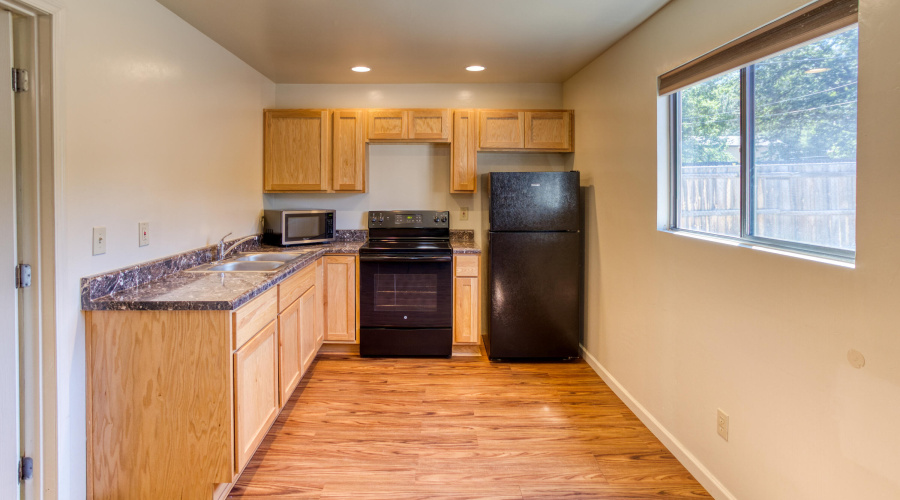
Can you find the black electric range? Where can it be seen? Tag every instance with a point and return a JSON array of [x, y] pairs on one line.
[[405, 285]]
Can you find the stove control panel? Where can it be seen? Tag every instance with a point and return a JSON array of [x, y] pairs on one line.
[[416, 219]]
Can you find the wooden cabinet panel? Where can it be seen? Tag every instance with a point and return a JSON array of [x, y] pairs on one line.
[[501, 129], [548, 130], [320, 302], [255, 392], [296, 150], [429, 124], [289, 350], [466, 265], [249, 318], [340, 298], [308, 347], [292, 288], [463, 153], [466, 320], [158, 403], [387, 124], [349, 158]]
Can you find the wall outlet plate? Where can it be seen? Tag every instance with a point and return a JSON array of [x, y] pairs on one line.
[[143, 234], [722, 424], [99, 244], [464, 213]]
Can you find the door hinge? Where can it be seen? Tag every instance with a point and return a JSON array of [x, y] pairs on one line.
[[19, 80], [26, 468], [23, 276]]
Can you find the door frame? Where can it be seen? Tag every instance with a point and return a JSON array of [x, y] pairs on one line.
[[40, 152]]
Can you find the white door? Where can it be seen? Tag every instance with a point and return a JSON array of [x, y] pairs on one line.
[[9, 348]]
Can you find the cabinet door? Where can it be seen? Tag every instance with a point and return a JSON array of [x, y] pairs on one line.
[[387, 124], [340, 298], [320, 302], [463, 155], [296, 150], [429, 124], [501, 130], [307, 306], [548, 130], [255, 392], [289, 351], [465, 310], [349, 157]]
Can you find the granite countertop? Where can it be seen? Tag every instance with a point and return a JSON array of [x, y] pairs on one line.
[[463, 241], [167, 284]]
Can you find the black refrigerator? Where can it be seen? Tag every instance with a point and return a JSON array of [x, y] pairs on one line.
[[535, 267]]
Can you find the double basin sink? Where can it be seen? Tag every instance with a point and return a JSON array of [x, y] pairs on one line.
[[251, 262]]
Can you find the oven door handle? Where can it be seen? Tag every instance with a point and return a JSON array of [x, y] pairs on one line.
[[405, 258]]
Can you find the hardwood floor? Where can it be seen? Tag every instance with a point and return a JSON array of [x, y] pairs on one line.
[[462, 428]]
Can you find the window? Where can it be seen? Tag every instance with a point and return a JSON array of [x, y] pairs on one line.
[[765, 152]]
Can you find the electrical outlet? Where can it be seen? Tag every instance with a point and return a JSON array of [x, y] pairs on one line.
[[464, 213], [143, 234], [99, 244], [722, 424]]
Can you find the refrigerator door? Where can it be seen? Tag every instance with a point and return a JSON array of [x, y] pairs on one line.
[[534, 286], [534, 201]]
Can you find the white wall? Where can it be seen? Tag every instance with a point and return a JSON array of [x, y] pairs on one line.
[[688, 326], [160, 125], [417, 176]]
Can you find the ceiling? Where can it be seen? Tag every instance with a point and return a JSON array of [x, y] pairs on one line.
[[415, 41]]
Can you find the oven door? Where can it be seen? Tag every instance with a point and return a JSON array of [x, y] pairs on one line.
[[405, 291]]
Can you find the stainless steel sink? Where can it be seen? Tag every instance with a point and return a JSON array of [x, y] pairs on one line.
[[270, 257], [239, 266]]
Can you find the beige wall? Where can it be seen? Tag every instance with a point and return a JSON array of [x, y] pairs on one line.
[[411, 176], [160, 125], [685, 326]]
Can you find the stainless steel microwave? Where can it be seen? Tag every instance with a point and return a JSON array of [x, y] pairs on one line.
[[297, 227]]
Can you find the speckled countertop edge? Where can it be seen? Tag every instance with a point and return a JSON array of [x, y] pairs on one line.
[[462, 241], [164, 284]]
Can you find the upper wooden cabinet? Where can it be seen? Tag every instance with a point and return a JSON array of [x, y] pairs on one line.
[[414, 125], [349, 158], [520, 130], [463, 157], [296, 151]]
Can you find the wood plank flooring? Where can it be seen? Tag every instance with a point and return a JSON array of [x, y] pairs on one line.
[[462, 428]]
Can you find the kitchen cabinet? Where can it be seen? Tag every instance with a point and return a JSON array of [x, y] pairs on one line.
[[525, 130], [466, 300], [255, 392], [349, 155], [296, 150], [190, 394], [463, 152], [409, 125], [340, 298]]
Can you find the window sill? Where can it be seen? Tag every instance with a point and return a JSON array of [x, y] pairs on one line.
[[789, 252]]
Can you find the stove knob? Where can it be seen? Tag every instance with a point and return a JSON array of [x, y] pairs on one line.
[[373, 218], [381, 219], [444, 218], [437, 218]]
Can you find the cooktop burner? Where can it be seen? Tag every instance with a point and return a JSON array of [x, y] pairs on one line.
[[436, 246]]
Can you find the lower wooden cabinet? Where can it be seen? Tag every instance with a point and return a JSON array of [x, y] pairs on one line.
[[320, 302], [308, 348], [255, 392], [289, 327], [340, 298], [466, 300]]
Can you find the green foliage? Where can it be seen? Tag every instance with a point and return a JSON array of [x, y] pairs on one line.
[[800, 116]]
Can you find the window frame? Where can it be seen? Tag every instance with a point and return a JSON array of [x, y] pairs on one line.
[[747, 205]]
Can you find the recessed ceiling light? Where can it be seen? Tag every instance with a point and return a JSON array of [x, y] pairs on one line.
[[361, 69], [475, 68], [816, 70]]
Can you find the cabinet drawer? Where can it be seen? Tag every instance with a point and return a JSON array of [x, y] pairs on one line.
[[292, 288], [466, 265], [253, 316]]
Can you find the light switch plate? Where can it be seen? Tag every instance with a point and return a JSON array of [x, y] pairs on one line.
[[464, 213], [99, 244], [143, 234], [722, 424]]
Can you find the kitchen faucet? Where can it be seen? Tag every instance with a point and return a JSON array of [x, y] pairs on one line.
[[222, 252]]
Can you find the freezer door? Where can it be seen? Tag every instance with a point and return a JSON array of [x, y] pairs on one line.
[[535, 285], [534, 201]]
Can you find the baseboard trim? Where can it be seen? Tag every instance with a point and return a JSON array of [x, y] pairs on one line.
[[690, 462]]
